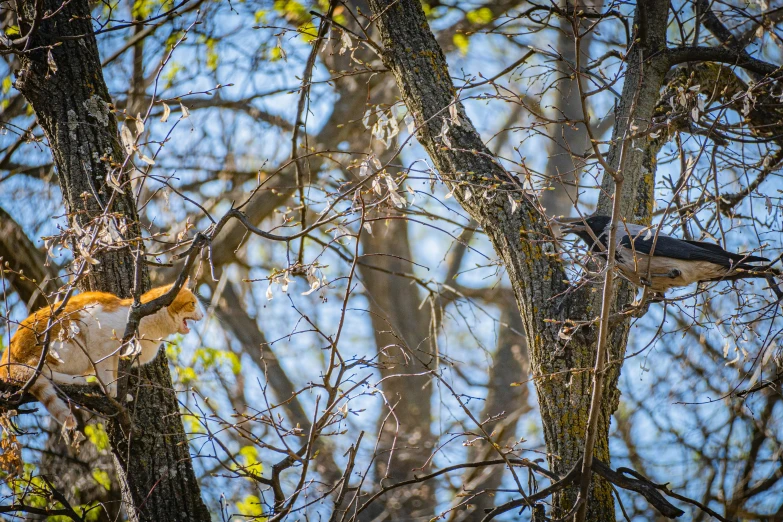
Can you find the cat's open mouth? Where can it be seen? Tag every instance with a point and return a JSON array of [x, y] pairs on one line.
[[185, 328]]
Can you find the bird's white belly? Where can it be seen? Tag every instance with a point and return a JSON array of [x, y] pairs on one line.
[[664, 273]]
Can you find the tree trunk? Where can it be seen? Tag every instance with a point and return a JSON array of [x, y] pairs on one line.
[[20, 253], [405, 439], [511, 364], [71, 103], [520, 238], [570, 139]]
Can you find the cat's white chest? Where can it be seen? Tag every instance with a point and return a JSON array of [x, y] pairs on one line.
[[108, 321]]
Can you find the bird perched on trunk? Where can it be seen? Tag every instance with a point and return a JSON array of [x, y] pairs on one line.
[[649, 258]]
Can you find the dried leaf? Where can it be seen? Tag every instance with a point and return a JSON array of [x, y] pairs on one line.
[[113, 183], [55, 355], [380, 131], [410, 123], [366, 118], [85, 253], [114, 233], [394, 128], [185, 111], [128, 141], [346, 42], [51, 63], [746, 106], [514, 204], [132, 349], [269, 294], [454, 113], [283, 54], [390, 182], [10, 450], [444, 129], [146, 159], [166, 113], [313, 281], [398, 200]]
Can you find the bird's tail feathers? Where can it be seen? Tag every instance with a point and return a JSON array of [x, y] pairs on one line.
[[752, 268], [754, 259]]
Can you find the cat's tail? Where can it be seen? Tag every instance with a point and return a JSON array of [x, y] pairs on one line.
[[42, 389], [46, 393]]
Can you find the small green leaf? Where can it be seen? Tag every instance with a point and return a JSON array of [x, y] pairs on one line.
[[102, 478], [481, 16], [250, 506], [461, 41], [97, 436]]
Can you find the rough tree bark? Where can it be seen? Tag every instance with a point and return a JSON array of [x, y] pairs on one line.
[[523, 239], [72, 106]]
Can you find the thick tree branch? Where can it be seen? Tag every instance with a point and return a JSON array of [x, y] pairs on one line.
[[725, 55], [638, 483], [20, 253]]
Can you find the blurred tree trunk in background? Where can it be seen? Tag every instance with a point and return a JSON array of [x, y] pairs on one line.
[[406, 440], [569, 140], [505, 400], [65, 87], [21, 254]]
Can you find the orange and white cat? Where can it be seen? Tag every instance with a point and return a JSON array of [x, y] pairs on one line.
[[86, 341]]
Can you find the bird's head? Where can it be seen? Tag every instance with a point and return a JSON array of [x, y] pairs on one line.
[[583, 227]]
